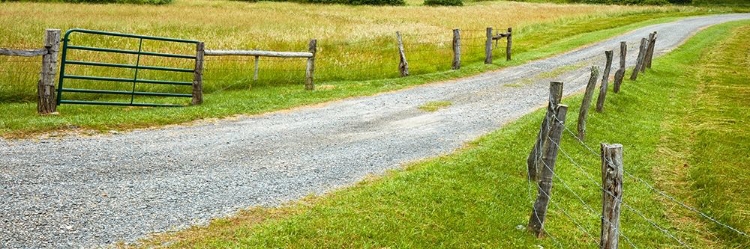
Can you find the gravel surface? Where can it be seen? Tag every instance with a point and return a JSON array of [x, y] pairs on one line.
[[93, 191]]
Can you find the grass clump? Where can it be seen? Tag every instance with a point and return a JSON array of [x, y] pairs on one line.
[[478, 197], [434, 106]]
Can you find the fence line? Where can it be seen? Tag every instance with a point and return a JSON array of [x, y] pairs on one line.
[[549, 141]]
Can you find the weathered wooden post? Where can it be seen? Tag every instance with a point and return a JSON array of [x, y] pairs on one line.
[[534, 160], [46, 102], [456, 49], [510, 44], [620, 74], [612, 171], [639, 62], [310, 70], [650, 50], [587, 102], [488, 47], [403, 65], [200, 51], [605, 82], [257, 65], [645, 53], [538, 215]]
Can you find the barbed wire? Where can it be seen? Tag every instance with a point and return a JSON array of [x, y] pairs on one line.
[[661, 193]]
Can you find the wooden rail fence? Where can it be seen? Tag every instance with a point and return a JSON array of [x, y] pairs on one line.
[[310, 56], [46, 86], [46, 103]]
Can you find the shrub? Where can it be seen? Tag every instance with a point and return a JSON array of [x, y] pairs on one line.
[[444, 2]]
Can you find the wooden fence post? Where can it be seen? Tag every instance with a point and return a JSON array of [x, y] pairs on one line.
[[403, 65], [650, 50], [639, 62], [200, 51], [587, 102], [488, 47], [310, 70], [538, 215], [612, 171], [605, 82], [456, 49], [645, 53], [510, 44], [534, 160], [46, 102], [257, 65], [620, 74]]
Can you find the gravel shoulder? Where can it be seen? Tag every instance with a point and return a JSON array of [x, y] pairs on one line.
[[93, 191]]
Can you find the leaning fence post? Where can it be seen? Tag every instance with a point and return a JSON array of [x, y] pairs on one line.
[[536, 221], [456, 49], [310, 70], [535, 157], [621, 72], [650, 50], [587, 102], [605, 83], [198, 74], [612, 171], [403, 65], [510, 44], [46, 102], [488, 47], [639, 62]]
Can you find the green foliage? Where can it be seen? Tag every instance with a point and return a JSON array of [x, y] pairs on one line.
[[154, 2], [444, 2]]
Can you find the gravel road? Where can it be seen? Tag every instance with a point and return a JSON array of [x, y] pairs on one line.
[[96, 190]]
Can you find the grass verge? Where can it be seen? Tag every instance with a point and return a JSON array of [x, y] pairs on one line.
[[479, 196]]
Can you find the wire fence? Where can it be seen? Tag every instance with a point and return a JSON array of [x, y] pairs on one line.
[[644, 221]]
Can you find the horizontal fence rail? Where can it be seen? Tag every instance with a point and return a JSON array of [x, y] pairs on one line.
[[310, 56], [258, 53], [23, 52]]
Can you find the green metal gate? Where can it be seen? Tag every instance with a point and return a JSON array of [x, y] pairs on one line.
[[132, 82]]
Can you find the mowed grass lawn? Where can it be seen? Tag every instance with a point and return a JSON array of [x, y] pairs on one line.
[[684, 129], [356, 55]]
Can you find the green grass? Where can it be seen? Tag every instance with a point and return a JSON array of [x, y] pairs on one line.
[[231, 92], [478, 196], [718, 131]]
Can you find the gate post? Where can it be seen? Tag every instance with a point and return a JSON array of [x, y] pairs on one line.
[[198, 74], [46, 103]]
